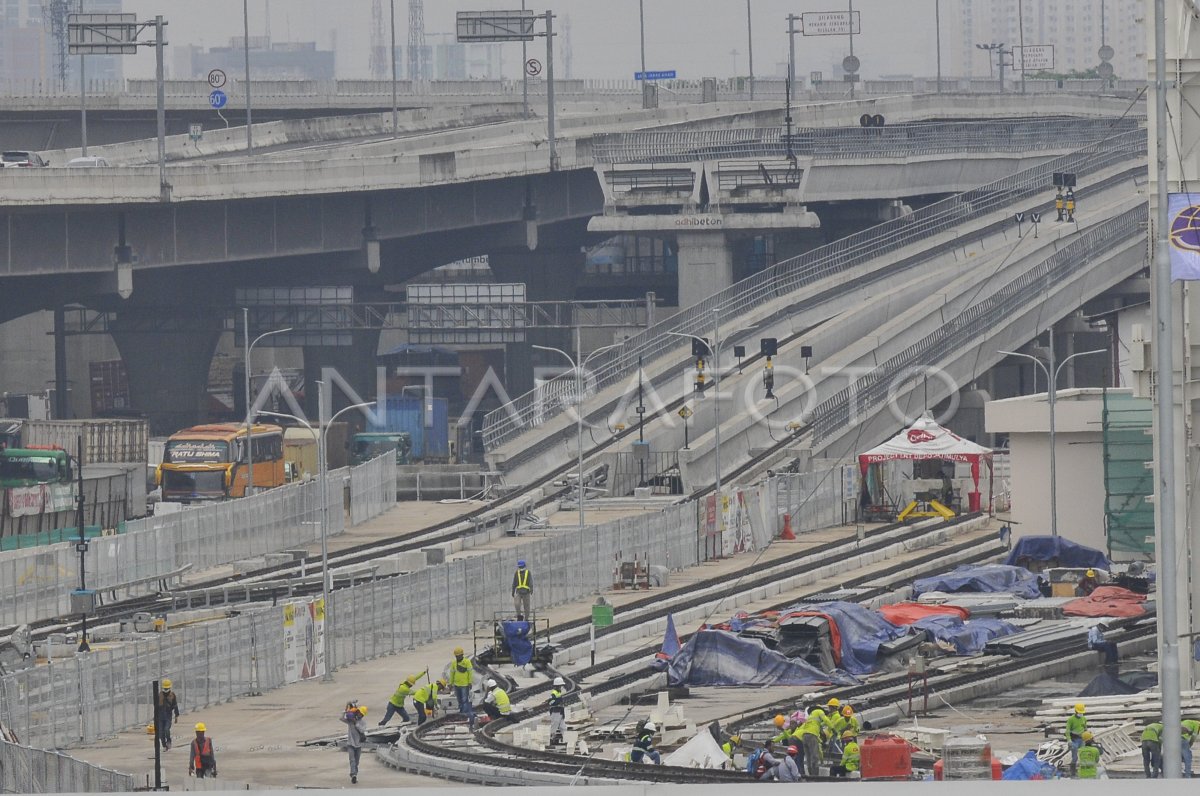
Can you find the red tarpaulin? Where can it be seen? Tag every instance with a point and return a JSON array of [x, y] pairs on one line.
[[907, 613], [1107, 601]]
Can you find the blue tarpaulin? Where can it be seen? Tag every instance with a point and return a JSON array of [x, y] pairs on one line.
[[516, 636], [717, 657], [967, 637], [990, 578], [1029, 767], [860, 629], [1056, 549]]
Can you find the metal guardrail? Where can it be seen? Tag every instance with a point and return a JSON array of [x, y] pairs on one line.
[[869, 392], [785, 278], [900, 140]]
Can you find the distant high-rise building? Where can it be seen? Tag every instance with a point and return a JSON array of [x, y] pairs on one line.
[[453, 61], [299, 60], [1076, 29], [30, 51]]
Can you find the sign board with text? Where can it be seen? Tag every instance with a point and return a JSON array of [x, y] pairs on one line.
[[830, 23], [486, 26], [1034, 57], [102, 34], [665, 74]]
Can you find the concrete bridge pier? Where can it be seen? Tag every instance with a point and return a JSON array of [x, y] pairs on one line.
[[350, 371], [167, 371]]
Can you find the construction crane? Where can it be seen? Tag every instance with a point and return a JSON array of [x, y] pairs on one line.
[[416, 40], [380, 65]]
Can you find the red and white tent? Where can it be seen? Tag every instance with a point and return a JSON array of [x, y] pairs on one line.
[[925, 439]]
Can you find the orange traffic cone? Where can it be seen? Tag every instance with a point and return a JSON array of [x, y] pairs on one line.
[[786, 534]]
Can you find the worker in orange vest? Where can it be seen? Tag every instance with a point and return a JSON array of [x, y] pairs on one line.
[[202, 762]]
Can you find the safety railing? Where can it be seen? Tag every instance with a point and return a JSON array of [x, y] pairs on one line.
[[24, 769], [37, 583], [834, 414], [898, 140], [786, 278]]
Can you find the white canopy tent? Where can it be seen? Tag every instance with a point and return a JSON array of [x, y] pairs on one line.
[[926, 439]]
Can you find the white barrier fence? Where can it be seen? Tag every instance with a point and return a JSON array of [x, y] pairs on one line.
[[89, 696], [36, 583], [27, 770]]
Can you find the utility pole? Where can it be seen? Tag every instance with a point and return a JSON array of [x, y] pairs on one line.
[[937, 26], [1021, 38], [395, 104], [850, 27], [82, 547], [550, 90], [750, 47], [642, 29], [525, 70], [246, 54], [82, 101], [791, 20]]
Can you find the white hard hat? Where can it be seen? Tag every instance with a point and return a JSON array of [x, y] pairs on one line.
[[559, 681], [491, 683], [650, 726]]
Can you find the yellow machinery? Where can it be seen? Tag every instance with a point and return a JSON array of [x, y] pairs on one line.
[[925, 504]]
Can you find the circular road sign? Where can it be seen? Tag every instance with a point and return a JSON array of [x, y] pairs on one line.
[[216, 78], [1106, 53], [533, 67], [850, 64], [217, 99], [1105, 70]]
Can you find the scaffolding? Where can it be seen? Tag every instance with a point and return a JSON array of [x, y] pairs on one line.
[[1128, 475]]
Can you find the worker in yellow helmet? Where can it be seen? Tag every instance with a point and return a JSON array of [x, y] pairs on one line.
[[425, 700], [850, 756], [460, 673], [202, 762], [356, 733], [396, 703], [166, 710], [1076, 724]]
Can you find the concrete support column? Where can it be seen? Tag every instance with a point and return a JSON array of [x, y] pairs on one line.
[[168, 374], [354, 365], [705, 265]]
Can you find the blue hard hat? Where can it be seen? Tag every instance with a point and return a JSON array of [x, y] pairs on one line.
[[521, 563]]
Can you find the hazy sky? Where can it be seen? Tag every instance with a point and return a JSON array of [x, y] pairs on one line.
[[694, 37]]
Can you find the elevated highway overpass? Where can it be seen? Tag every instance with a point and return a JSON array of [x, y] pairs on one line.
[[944, 289], [370, 212]]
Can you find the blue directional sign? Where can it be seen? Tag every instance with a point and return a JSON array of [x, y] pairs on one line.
[[668, 74], [217, 99]]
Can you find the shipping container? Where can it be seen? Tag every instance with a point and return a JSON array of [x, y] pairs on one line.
[[109, 387], [104, 440], [425, 420]]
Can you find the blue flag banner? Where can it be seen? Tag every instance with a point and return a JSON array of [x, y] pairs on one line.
[[1183, 210]]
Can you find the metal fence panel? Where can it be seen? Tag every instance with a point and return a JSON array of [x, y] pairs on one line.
[[24, 769]]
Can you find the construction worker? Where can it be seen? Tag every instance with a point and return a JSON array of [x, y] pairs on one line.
[[784, 768], [1190, 729], [850, 756], [460, 673], [1087, 584], [1070, 205], [202, 762], [851, 720], [810, 738], [356, 733], [643, 747], [496, 703], [166, 711], [1097, 641], [1058, 204], [781, 724], [731, 743], [425, 700], [1076, 724], [1089, 757], [558, 711], [1152, 761], [396, 703], [522, 590]]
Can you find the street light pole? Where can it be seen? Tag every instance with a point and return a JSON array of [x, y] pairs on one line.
[[791, 20], [395, 111], [642, 30], [577, 365], [524, 73], [246, 53], [937, 26], [1021, 39], [249, 412], [1051, 395], [750, 47]]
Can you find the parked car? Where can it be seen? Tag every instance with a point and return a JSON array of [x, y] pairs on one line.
[[19, 159], [89, 162]]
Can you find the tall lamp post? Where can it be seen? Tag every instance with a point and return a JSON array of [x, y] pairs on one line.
[[249, 413], [246, 53], [323, 478], [714, 349], [578, 363], [1052, 390]]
